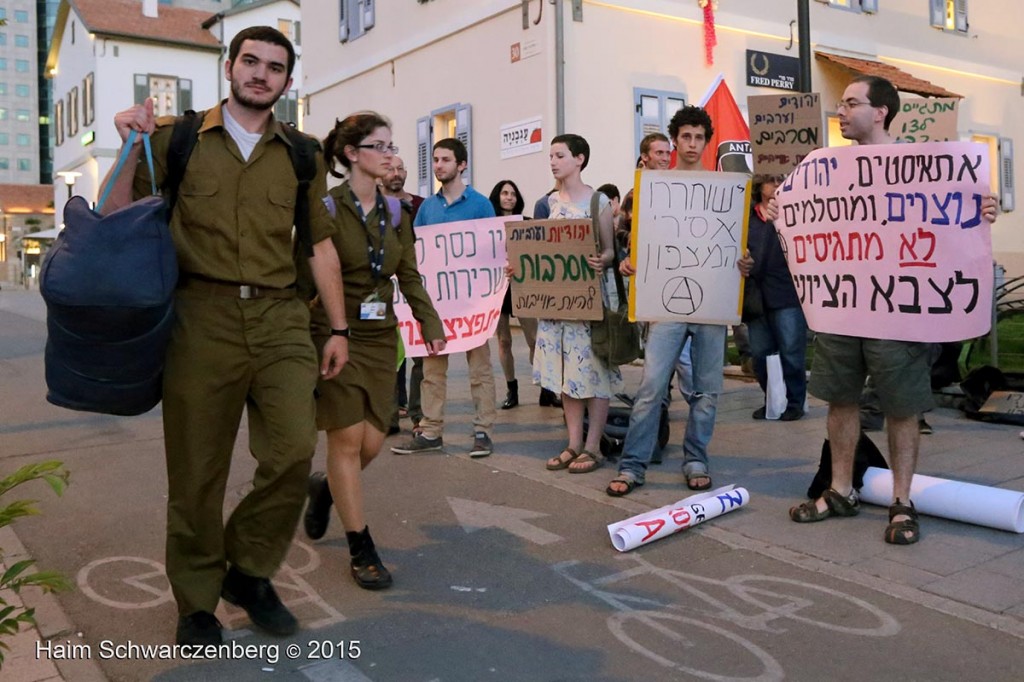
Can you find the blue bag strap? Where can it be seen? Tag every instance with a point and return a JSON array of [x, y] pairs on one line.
[[125, 151]]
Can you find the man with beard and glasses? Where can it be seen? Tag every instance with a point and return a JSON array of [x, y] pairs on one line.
[[455, 201], [394, 185], [240, 338]]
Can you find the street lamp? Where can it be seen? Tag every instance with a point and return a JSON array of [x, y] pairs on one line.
[[69, 178]]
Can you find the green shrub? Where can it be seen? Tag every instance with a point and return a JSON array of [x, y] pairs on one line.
[[15, 577]]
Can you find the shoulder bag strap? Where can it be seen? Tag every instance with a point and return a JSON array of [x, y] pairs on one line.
[[125, 151], [595, 209]]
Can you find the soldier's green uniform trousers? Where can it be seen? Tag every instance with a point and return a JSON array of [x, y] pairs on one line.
[[227, 354]]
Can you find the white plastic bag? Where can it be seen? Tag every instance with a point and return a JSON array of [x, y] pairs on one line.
[[775, 393]]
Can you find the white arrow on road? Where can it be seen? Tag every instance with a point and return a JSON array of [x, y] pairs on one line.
[[474, 516]]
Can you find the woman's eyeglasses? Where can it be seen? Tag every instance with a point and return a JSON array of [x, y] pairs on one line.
[[380, 147]]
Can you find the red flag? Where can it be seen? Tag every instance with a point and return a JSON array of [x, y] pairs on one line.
[[729, 148]]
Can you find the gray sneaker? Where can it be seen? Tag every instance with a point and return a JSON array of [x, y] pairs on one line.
[[482, 445], [419, 443]]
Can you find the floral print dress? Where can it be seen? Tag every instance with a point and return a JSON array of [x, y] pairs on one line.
[[563, 360]]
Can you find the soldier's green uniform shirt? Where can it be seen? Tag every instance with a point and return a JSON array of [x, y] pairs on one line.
[[233, 224], [364, 390], [233, 219]]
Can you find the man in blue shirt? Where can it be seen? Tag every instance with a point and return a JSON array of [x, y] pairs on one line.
[[455, 201]]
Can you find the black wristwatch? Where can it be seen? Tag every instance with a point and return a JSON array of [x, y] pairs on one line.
[[340, 332]]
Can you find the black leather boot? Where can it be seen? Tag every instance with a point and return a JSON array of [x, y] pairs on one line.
[[367, 569], [512, 398]]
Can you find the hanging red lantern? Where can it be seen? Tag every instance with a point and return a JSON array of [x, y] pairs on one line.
[[709, 7]]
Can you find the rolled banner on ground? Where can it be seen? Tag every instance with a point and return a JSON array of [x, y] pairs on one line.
[[686, 513], [981, 505]]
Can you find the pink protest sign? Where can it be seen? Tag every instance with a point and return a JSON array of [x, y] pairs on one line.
[[888, 242], [463, 269]]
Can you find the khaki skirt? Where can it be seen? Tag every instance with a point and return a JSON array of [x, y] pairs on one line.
[[364, 390]]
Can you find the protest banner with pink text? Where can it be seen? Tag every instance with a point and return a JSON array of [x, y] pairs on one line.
[[888, 241], [462, 265]]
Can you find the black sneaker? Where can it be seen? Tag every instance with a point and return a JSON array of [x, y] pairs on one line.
[[199, 629], [318, 511], [760, 413], [260, 601], [419, 443], [482, 445]]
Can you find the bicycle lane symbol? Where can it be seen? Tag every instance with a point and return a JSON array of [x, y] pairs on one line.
[[129, 582], [664, 619]]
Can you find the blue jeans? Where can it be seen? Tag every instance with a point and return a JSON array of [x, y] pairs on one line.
[[784, 332], [664, 343]]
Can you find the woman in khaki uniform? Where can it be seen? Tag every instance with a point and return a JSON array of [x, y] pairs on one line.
[[374, 241]]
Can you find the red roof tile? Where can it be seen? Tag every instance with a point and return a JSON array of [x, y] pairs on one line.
[[26, 198], [898, 77], [175, 25]]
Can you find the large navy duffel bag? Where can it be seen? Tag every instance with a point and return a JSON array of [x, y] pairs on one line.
[[108, 282]]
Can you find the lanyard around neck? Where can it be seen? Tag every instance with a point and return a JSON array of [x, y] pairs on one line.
[[376, 257]]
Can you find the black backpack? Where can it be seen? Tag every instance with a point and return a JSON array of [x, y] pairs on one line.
[[302, 153]]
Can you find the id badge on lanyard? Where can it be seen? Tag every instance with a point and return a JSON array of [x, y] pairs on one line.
[[372, 308]]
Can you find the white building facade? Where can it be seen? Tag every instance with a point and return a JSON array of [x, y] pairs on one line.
[[486, 70]]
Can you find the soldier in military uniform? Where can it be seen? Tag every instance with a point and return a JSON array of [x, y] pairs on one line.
[[241, 339]]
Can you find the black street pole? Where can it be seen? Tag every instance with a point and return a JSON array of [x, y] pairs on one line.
[[803, 20]]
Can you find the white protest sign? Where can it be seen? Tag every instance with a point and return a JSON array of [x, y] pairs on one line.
[[686, 513], [463, 269], [689, 230]]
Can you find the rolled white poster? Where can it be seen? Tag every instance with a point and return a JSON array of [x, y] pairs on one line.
[[686, 513], [981, 505]]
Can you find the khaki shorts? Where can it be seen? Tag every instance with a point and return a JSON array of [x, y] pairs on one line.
[[901, 371]]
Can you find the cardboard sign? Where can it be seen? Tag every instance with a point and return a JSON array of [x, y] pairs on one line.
[[926, 120], [689, 230], [551, 277], [783, 130], [888, 242], [462, 265]]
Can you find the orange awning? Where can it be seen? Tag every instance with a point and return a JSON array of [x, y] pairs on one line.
[[898, 77]]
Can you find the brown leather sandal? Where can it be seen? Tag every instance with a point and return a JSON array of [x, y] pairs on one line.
[[590, 461], [835, 505], [907, 531], [560, 462], [623, 479]]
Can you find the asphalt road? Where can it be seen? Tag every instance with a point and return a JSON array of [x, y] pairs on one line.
[[503, 571]]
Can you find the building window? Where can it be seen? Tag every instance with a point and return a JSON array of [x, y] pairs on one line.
[[5, 163], [21, 65], [172, 96], [291, 29], [867, 6], [72, 112], [23, 115], [88, 100], [3, 38], [24, 164], [3, 63], [24, 140], [3, 12], [5, 139], [3, 88], [20, 16], [1000, 154], [455, 121], [356, 17], [3, 113], [652, 110], [287, 108], [20, 41], [22, 90], [58, 122], [949, 15]]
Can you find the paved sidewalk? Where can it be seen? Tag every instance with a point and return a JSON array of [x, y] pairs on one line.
[[970, 572]]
